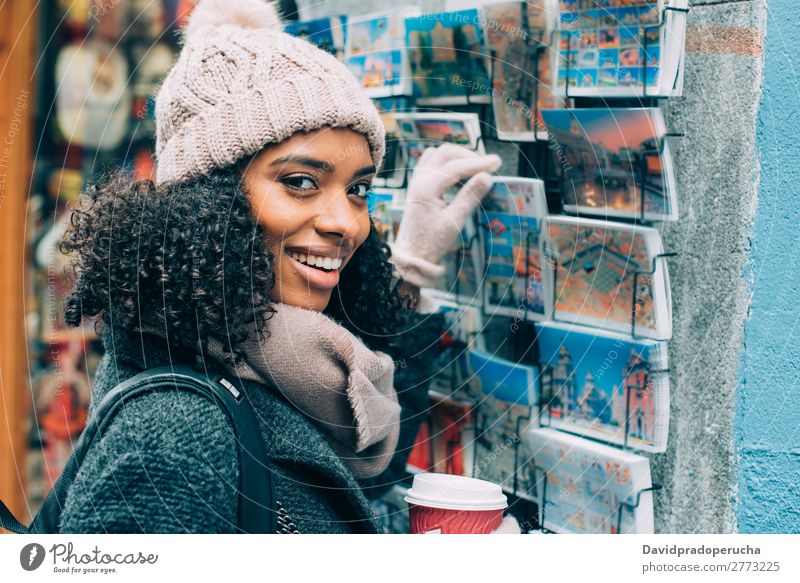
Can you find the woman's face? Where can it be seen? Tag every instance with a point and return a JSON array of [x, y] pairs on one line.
[[310, 194]]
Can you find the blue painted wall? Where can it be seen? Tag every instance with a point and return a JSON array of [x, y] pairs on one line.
[[767, 428]]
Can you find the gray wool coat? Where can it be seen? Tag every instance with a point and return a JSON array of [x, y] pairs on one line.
[[168, 461]]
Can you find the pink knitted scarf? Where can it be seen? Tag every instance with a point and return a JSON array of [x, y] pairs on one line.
[[327, 373]]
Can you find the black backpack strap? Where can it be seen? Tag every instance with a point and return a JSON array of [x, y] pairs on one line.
[[256, 505]]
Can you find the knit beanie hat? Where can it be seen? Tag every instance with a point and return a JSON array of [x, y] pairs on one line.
[[241, 83]]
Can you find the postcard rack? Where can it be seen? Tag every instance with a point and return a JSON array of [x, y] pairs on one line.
[[535, 161], [635, 303], [552, 258], [534, 54], [657, 26], [524, 307], [635, 296], [488, 127], [402, 156], [466, 249], [517, 466], [561, 184], [543, 405], [479, 430], [412, 103], [547, 395], [616, 516], [529, 150]]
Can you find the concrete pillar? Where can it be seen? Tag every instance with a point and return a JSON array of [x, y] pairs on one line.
[[717, 173]]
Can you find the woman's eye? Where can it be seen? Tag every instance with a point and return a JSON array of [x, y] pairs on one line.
[[299, 182], [360, 189]]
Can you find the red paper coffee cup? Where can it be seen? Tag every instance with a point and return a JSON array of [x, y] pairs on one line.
[[449, 504]]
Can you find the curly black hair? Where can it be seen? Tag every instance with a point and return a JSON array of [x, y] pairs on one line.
[[193, 256]]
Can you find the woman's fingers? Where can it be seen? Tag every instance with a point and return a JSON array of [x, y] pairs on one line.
[[446, 153], [425, 157], [463, 168], [438, 178], [469, 197]]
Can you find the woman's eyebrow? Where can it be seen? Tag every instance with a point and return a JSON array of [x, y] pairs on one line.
[[364, 171], [318, 164], [304, 160]]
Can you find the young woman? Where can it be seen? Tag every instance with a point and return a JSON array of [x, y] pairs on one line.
[[253, 254]]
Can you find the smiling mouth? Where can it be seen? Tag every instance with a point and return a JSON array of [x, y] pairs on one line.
[[325, 264]]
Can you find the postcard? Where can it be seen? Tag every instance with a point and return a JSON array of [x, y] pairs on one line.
[[606, 276], [419, 131], [512, 219], [643, 44], [452, 376], [393, 171], [396, 209], [590, 488], [465, 323], [509, 391], [446, 58], [604, 385], [463, 277], [545, 95], [614, 162], [503, 379], [512, 58], [433, 129], [445, 440], [375, 52], [518, 36], [329, 33], [379, 202]]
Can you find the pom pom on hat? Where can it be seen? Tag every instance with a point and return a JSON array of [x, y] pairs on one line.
[[241, 13]]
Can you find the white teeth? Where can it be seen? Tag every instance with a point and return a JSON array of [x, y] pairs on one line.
[[316, 261]]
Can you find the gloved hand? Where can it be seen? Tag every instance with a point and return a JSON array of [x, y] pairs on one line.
[[508, 526], [430, 227]]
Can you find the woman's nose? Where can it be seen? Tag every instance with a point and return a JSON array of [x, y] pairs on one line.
[[339, 216]]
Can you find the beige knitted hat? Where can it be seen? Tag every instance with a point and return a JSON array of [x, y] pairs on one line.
[[240, 83]]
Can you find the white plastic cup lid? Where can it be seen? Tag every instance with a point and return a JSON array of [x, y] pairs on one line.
[[451, 492]]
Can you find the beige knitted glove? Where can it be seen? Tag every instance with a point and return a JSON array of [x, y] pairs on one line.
[[430, 226]]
